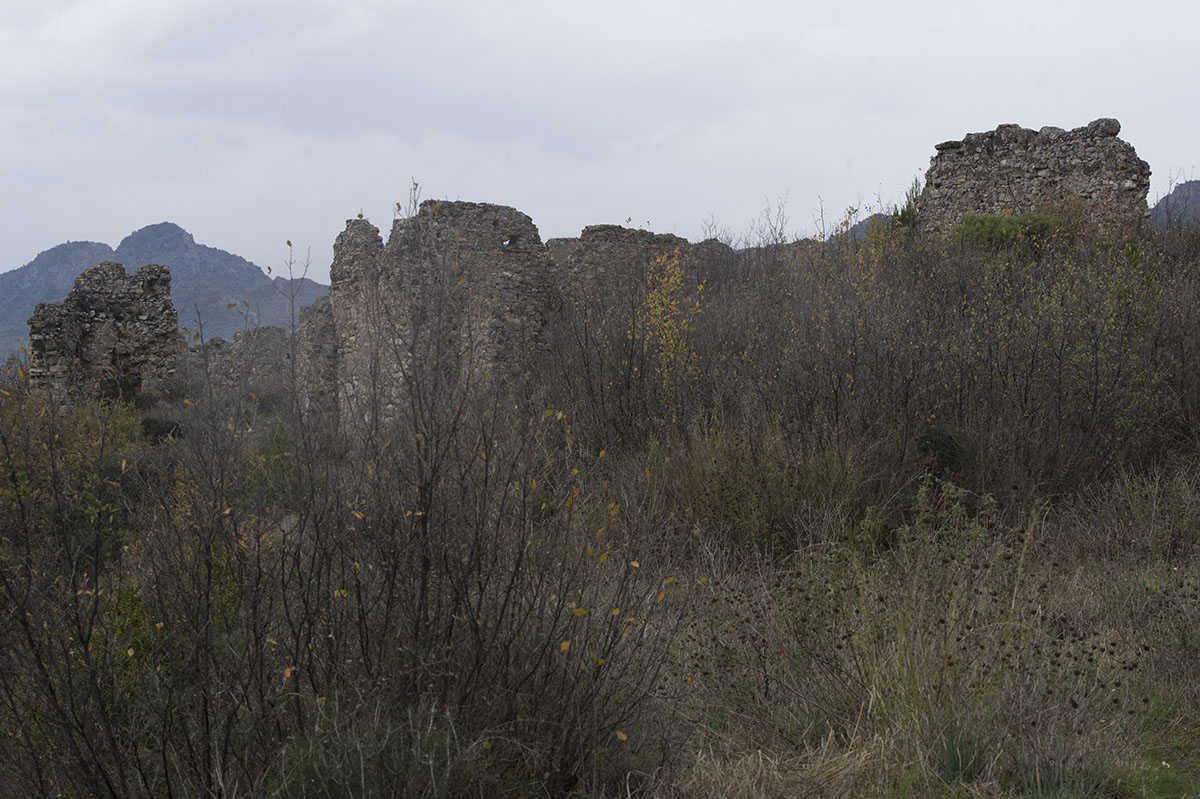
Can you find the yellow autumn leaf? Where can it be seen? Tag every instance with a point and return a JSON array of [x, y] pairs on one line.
[[622, 736], [604, 557], [287, 673], [129, 651], [564, 646], [634, 564], [661, 594], [580, 611]]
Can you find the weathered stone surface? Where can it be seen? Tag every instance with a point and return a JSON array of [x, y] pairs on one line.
[[712, 262], [317, 361], [561, 250], [115, 334], [611, 257], [465, 286], [255, 369], [1014, 170], [364, 302], [257, 361], [608, 260]]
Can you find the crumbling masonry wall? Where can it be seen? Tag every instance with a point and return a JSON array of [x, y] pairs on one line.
[[317, 362], [608, 259], [1015, 170], [459, 290], [115, 334], [255, 365]]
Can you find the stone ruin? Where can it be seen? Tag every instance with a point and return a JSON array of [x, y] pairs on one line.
[[472, 288], [114, 335], [465, 286], [469, 284], [1013, 170], [317, 361], [255, 364], [609, 258]]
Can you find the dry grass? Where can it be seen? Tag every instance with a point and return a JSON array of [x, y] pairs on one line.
[[911, 522]]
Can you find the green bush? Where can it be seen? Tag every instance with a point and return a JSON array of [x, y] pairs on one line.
[[1021, 234]]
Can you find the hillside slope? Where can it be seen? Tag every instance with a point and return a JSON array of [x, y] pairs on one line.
[[205, 281]]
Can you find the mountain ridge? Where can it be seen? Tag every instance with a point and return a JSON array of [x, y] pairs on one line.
[[1180, 207], [205, 282]]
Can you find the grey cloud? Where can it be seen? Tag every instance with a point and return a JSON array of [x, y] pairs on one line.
[[296, 114]]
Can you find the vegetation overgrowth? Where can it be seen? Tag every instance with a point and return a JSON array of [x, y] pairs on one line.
[[878, 518]]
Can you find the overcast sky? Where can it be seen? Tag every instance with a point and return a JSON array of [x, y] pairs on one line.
[[251, 122]]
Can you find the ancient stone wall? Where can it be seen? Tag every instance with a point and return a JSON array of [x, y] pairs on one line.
[[255, 365], [463, 287], [607, 262], [317, 362], [468, 288], [1015, 170], [116, 334], [612, 257]]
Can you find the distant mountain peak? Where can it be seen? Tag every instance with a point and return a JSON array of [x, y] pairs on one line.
[[1180, 207], [212, 289], [164, 237]]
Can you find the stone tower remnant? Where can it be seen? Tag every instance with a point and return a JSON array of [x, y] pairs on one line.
[[461, 286], [317, 361], [468, 287], [1015, 170], [115, 334]]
